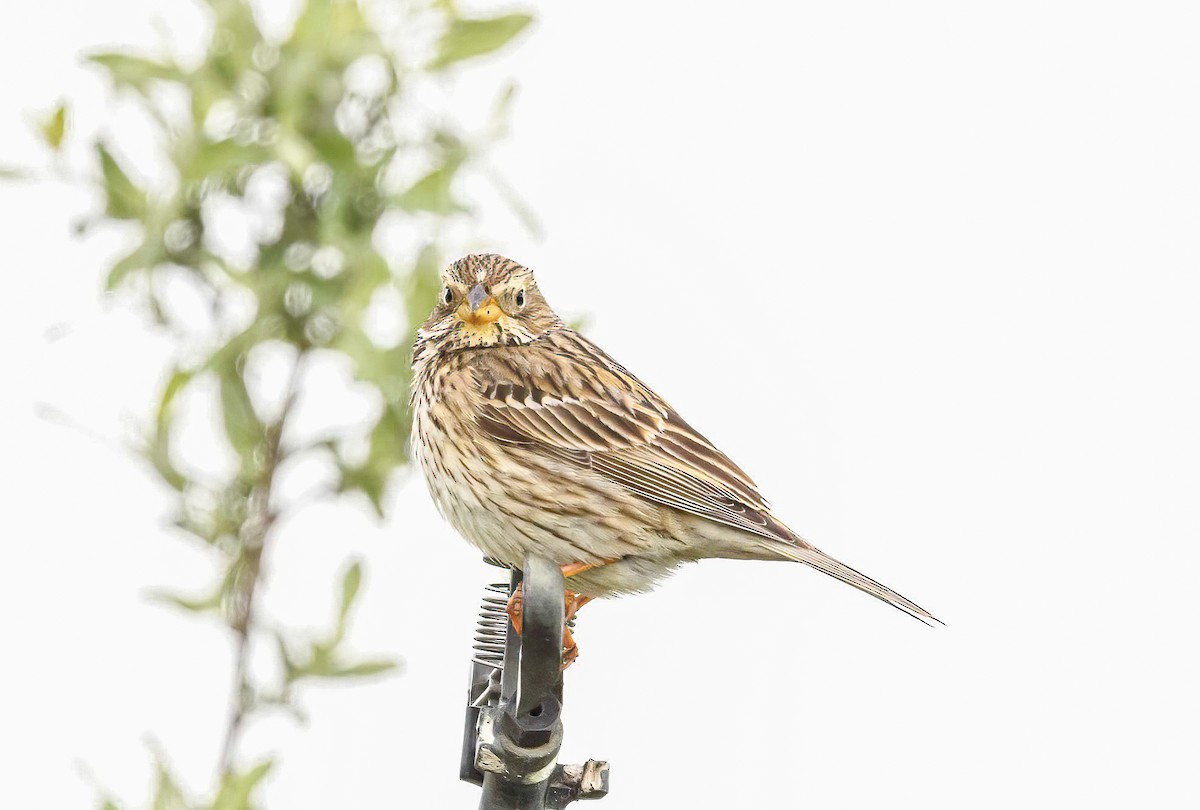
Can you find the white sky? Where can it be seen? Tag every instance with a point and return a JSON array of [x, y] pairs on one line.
[[927, 270]]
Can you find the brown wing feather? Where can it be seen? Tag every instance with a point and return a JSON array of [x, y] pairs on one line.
[[564, 397]]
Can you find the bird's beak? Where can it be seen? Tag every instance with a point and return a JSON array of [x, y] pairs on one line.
[[480, 307]]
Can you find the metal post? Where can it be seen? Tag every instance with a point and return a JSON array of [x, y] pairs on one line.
[[513, 726]]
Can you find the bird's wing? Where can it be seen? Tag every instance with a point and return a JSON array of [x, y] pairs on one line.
[[564, 397]]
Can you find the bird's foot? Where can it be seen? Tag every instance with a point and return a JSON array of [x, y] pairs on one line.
[[516, 604], [572, 602], [570, 649]]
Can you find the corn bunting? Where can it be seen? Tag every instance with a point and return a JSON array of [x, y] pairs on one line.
[[532, 439]]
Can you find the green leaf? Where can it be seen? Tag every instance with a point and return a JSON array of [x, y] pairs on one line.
[[351, 581], [235, 33], [336, 30], [175, 383], [290, 665], [432, 192], [204, 604], [242, 426], [319, 664], [12, 173], [365, 669], [388, 451], [502, 110], [145, 256], [220, 159], [136, 72], [323, 663], [468, 38], [365, 480], [424, 284], [125, 200], [54, 127], [236, 788], [158, 450], [168, 795]]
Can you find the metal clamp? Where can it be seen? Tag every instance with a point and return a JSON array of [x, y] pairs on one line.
[[514, 728]]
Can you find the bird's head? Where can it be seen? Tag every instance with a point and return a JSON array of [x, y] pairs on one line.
[[487, 300]]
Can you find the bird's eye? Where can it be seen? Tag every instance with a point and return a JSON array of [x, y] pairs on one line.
[[447, 295], [520, 298]]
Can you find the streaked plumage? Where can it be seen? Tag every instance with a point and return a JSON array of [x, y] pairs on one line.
[[531, 437]]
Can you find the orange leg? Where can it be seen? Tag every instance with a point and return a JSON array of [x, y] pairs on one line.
[[516, 604], [571, 569], [570, 649], [572, 602]]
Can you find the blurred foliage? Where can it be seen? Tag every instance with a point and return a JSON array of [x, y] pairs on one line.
[[310, 140]]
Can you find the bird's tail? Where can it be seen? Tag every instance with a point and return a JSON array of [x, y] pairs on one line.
[[824, 563]]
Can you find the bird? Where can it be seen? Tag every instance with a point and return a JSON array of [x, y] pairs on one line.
[[532, 439]]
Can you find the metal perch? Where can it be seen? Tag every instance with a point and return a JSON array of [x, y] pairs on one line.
[[513, 727]]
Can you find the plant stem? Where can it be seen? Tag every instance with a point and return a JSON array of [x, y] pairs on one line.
[[246, 571]]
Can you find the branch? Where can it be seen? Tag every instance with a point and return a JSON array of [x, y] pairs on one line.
[[260, 517]]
